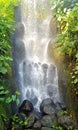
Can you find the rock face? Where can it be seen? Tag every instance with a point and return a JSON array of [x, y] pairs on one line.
[[47, 107], [47, 119], [37, 125], [46, 128], [30, 121], [26, 107], [65, 121]]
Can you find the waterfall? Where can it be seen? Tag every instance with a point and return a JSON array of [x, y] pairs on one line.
[[36, 74]]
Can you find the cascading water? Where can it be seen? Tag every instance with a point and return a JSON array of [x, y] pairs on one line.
[[35, 73]]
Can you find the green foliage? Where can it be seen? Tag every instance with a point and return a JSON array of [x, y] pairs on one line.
[[75, 75], [6, 26], [4, 96], [66, 13], [68, 34], [16, 122], [63, 113], [57, 127]]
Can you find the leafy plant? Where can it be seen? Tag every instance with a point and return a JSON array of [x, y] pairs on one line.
[[7, 20], [57, 127], [4, 96], [63, 112], [66, 13], [6, 27]]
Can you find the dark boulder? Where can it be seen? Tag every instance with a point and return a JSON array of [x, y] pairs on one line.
[[30, 121], [37, 125], [48, 121], [61, 106], [49, 110], [65, 121], [47, 106], [47, 128], [21, 116], [37, 114], [26, 107]]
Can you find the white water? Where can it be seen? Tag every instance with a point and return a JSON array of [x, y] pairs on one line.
[[36, 73]]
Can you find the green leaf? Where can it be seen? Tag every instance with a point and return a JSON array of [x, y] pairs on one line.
[[2, 99], [2, 92], [3, 70], [14, 97], [8, 100], [73, 77], [1, 88], [17, 92], [75, 81], [17, 101], [7, 92]]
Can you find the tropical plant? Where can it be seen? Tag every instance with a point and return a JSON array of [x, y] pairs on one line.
[[66, 13], [6, 26]]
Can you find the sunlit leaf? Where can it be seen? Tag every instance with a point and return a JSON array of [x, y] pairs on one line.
[[17, 92], [17, 101], [8, 100], [14, 97], [75, 81]]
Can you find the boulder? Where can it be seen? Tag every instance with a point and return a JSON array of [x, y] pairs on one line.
[[37, 125], [37, 114], [48, 121], [30, 121], [47, 106], [65, 121], [60, 106], [47, 128], [26, 107], [49, 110], [21, 116]]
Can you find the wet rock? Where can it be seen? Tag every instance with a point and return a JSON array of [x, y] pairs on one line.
[[37, 114], [63, 106], [26, 107], [65, 121], [17, 12], [60, 107], [20, 30], [27, 129], [49, 110], [47, 128], [48, 121], [37, 125], [44, 66], [21, 116], [51, 89], [47, 106], [19, 50], [30, 121]]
